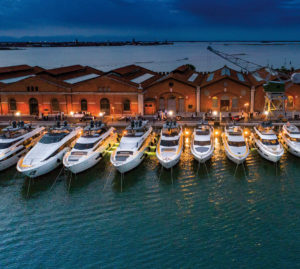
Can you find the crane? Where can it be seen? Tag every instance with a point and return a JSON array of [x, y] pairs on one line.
[[274, 90]]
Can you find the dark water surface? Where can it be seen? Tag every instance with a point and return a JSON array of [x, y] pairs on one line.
[[206, 221]]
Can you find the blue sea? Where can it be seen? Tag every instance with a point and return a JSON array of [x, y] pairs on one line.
[[158, 58], [191, 219]]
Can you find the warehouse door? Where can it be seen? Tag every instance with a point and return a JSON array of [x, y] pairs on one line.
[[33, 106], [172, 104], [225, 103], [181, 105]]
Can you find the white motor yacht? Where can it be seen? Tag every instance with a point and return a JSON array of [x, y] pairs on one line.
[[235, 144], [266, 142], [170, 144], [202, 145], [290, 138], [90, 147], [48, 153], [131, 151], [15, 141]]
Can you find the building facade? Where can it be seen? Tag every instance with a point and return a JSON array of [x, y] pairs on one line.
[[133, 90]]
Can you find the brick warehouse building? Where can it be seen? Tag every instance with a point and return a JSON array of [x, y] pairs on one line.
[[132, 90]]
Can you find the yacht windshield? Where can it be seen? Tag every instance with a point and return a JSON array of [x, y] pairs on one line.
[[270, 142], [50, 138], [202, 143], [93, 133], [205, 132], [80, 146], [169, 143], [134, 133], [235, 133], [237, 144], [170, 132]]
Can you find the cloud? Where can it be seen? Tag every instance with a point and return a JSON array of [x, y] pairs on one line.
[[153, 18], [85, 13], [249, 13]]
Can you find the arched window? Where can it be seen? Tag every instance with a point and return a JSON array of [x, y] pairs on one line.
[[33, 106], [83, 105], [55, 105], [12, 104], [235, 102], [161, 103], [126, 105], [215, 102], [224, 103], [105, 106], [290, 102]]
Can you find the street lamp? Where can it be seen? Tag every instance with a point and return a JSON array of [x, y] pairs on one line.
[[215, 113], [170, 113], [18, 114], [72, 113]]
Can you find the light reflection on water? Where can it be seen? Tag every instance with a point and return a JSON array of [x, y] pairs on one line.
[[196, 219]]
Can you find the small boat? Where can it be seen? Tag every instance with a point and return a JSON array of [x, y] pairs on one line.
[[170, 144], [235, 144], [90, 147], [131, 151], [202, 144], [48, 153], [15, 141], [265, 141], [290, 138]]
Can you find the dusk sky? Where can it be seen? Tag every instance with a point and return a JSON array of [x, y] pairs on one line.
[[151, 19]]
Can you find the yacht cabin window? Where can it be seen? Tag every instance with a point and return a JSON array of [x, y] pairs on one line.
[[270, 142], [237, 144], [169, 143], [81, 146], [202, 143], [50, 138]]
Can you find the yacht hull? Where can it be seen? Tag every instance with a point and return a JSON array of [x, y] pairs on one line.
[[124, 167], [266, 154], [169, 163], [9, 162], [91, 160], [289, 147], [83, 165], [202, 158], [235, 159], [43, 167]]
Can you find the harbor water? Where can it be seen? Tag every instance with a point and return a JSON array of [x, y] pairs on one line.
[[196, 218], [158, 58]]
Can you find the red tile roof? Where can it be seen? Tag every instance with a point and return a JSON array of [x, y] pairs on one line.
[[222, 73], [63, 70], [15, 68], [129, 73]]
